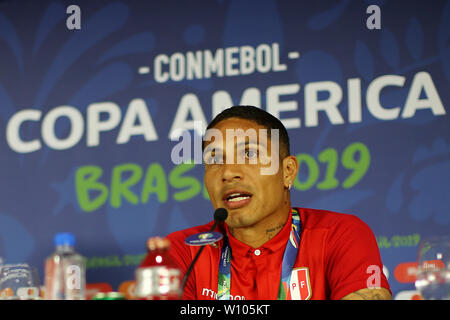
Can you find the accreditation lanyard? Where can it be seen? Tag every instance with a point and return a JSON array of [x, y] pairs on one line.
[[290, 254]]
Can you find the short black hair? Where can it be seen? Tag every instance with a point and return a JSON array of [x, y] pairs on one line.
[[259, 116]]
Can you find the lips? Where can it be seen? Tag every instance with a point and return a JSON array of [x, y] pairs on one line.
[[235, 199]]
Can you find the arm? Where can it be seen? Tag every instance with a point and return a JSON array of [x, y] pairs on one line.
[[353, 257], [369, 294]]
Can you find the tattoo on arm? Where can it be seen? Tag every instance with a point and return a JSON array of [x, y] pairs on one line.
[[369, 294]]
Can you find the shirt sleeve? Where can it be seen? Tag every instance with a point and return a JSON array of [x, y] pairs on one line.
[[353, 258], [181, 254]]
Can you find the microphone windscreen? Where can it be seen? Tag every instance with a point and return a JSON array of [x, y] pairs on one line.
[[220, 214]]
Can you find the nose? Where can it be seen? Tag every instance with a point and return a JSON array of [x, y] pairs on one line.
[[232, 172]]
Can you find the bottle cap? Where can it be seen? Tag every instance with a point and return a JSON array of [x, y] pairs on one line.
[[64, 238]]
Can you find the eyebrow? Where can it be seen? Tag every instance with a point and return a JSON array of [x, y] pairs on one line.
[[210, 146], [246, 143]]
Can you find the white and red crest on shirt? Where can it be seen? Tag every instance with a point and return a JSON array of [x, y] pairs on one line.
[[300, 284]]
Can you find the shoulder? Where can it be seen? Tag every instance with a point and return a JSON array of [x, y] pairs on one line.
[[325, 219], [183, 234], [338, 227], [181, 252]]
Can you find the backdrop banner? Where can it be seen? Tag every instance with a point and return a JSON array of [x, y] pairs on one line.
[[93, 95]]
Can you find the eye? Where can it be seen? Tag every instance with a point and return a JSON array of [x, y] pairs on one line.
[[213, 158], [210, 160], [251, 153]]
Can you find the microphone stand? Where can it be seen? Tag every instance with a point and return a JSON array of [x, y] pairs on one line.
[[219, 216]]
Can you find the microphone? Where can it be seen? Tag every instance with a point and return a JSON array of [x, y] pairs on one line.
[[220, 215]]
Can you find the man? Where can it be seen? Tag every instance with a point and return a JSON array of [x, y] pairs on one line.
[[270, 250]]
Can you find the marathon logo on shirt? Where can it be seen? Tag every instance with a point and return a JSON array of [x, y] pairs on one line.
[[300, 284]]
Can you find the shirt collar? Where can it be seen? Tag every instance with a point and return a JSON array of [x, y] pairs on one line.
[[273, 245]]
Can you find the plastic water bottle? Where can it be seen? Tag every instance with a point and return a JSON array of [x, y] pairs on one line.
[[65, 271], [158, 277]]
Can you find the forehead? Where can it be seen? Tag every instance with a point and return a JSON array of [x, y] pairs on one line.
[[236, 127], [237, 123], [232, 128]]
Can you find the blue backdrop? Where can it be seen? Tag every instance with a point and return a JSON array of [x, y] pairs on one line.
[[89, 99]]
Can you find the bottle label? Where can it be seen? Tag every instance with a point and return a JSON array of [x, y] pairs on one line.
[[157, 281], [64, 281]]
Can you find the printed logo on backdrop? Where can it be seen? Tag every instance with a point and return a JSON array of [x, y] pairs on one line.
[[300, 284]]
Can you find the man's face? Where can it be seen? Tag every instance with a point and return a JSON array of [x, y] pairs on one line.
[[248, 195]]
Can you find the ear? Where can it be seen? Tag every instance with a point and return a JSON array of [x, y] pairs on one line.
[[290, 169]]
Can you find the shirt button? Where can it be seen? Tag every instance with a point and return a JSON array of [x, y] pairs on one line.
[[257, 252]]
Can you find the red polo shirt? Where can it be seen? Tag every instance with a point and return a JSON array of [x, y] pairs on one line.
[[338, 255]]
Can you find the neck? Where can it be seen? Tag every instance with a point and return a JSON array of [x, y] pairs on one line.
[[258, 234]]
